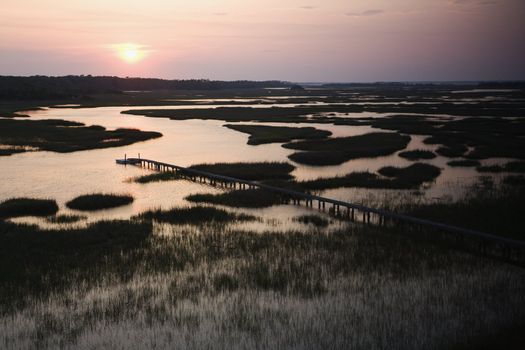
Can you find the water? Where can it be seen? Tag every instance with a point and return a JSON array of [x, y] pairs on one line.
[[65, 176]]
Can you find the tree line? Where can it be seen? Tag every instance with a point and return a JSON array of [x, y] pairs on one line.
[[46, 87]]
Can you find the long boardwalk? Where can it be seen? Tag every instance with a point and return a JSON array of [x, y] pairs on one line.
[[505, 248]]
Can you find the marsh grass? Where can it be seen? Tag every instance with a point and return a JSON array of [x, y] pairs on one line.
[[488, 137], [261, 134], [194, 215], [412, 176], [250, 171], [10, 151], [99, 201], [17, 207], [510, 167], [40, 262], [417, 154], [65, 219], [254, 198], [452, 150], [244, 114], [341, 149], [464, 163], [217, 287], [65, 136], [315, 220], [514, 180], [492, 207], [415, 173], [156, 177]]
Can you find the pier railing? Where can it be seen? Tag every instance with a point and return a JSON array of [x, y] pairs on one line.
[[487, 244]]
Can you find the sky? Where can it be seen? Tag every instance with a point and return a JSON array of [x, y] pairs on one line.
[[293, 40]]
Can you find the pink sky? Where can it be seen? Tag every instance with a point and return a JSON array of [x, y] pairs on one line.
[[296, 40]]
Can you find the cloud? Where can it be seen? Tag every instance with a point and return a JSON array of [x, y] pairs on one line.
[[366, 13], [307, 7], [220, 13], [474, 2]]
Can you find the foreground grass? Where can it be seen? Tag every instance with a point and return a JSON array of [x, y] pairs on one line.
[[65, 136], [260, 134], [250, 171], [99, 201], [119, 285], [341, 149], [40, 262], [17, 207]]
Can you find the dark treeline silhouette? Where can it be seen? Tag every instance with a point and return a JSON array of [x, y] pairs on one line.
[[431, 85], [45, 87]]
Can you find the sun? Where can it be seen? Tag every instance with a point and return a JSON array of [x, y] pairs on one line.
[[130, 53]]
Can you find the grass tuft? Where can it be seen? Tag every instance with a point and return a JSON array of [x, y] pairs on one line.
[[97, 201], [156, 177], [315, 220], [194, 215], [463, 163], [250, 171], [17, 207], [239, 198], [65, 219], [417, 154]]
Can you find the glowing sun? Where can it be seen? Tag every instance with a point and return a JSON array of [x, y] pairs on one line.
[[130, 53]]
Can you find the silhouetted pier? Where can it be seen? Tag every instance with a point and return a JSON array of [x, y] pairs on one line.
[[487, 244]]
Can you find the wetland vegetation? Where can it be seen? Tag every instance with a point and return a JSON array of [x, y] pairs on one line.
[[156, 177], [463, 163], [316, 220], [16, 207], [66, 136], [417, 154], [249, 171], [194, 215], [260, 134], [254, 198], [99, 201], [510, 167], [492, 207], [410, 177], [340, 149], [121, 280]]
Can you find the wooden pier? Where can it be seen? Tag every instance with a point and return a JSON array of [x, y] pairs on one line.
[[507, 249]]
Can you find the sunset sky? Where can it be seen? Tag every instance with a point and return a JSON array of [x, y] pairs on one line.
[[295, 40]]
